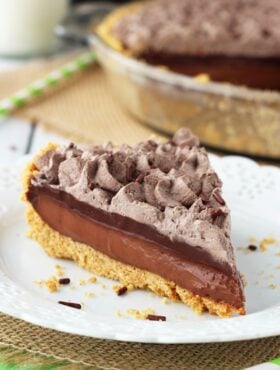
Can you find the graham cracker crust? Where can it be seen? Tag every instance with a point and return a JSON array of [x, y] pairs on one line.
[[60, 246], [104, 29]]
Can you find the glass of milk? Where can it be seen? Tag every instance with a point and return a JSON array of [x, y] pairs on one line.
[[27, 26]]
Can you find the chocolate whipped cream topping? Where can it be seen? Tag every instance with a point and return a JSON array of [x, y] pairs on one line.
[[168, 186], [247, 28]]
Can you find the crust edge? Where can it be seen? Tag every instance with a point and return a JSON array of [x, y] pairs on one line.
[[104, 29]]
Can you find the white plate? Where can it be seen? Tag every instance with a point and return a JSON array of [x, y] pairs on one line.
[[253, 195]]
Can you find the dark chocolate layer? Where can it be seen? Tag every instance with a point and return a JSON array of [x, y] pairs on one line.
[[128, 225], [136, 244], [262, 73]]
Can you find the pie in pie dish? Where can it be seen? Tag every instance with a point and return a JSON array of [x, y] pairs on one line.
[[231, 41], [150, 216]]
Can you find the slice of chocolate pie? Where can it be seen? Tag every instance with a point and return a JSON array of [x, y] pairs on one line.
[[150, 216]]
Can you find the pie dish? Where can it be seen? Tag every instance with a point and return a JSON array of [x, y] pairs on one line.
[[150, 216]]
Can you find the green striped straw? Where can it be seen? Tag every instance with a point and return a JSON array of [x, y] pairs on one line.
[[37, 88]]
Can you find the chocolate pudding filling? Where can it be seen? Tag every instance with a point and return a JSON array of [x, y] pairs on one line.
[[155, 206], [259, 73]]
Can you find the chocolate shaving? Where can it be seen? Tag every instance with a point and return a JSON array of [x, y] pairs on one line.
[[64, 281], [156, 317], [151, 162], [202, 208], [122, 290], [203, 198], [252, 247], [152, 143], [217, 196], [55, 181], [110, 158], [216, 212], [195, 163], [71, 304], [140, 177], [129, 173], [92, 185]]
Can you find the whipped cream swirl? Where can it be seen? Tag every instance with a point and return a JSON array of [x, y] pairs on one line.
[[202, 27]]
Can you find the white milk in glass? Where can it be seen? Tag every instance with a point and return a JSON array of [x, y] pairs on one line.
[[27, 26]]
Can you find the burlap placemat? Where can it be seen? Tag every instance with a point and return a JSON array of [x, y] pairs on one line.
[[84, 109], [107, 354]]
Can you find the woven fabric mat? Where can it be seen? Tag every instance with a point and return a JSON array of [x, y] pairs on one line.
[[82, 108], [85, 110], [105, 354]]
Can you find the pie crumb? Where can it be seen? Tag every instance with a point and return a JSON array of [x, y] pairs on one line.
[[244, 279], [272, 286], [92, 279], [51, 283], [116, 288], [59, 270], [140, 314], [82, 282], [265, 242], [202, 77], [252, 240], [118, 313], [89, 294], [181, 317]]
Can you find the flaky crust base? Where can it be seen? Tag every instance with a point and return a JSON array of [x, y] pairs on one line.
[[60, 246]]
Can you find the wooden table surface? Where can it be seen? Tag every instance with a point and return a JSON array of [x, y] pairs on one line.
[[18, 138]]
